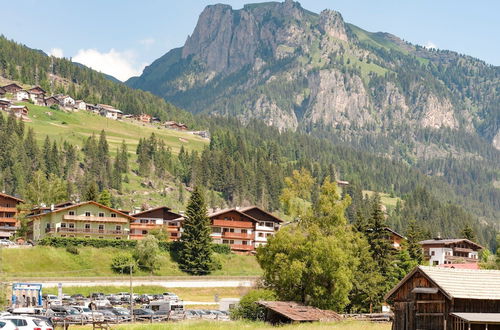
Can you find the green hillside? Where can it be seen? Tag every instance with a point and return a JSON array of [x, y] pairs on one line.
[[74, 127], [44, 261]]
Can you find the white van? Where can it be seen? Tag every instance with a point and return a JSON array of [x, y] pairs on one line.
[[165, 306]]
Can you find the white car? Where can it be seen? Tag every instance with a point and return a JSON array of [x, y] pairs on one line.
[[7, 325], [26, 322], [89, 314]]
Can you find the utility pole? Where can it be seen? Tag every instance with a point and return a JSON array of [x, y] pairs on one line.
[[131, 294]]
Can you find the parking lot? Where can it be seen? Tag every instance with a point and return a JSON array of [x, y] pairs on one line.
[[104, 309]]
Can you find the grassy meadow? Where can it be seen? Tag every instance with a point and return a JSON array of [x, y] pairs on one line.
[[214, 325], [44, 261]]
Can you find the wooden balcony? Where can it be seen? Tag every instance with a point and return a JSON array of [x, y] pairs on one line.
[[241, 247], [458, 258], [150, 226], [464, 250], [83, 218], [86, 231], [231, 224], [230, 235], [8, 209], [8, 228], [8, 220]]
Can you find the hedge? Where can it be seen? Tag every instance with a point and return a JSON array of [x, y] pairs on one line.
[[63, 242]]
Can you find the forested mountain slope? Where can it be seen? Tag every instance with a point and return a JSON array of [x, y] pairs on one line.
[[244, 163]]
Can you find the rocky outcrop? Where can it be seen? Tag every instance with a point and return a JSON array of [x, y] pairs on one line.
[[270, 113], [332, 24], [336, 99], [437, 113]]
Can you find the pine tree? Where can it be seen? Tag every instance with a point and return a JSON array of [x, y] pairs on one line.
[[414, 235], [468, 233], [91, 192], [195, 256], [104, 198]]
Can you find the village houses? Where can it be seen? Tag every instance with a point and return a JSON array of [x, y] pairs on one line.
[[159, 218], [12, 88], [441, 251], [88, 219], [21, 95], [109, 111], [37, 95], [8, 215]]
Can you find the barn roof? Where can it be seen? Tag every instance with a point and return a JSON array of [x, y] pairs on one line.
[[448, 241], [481, 318], [459, 283], [298, 312]]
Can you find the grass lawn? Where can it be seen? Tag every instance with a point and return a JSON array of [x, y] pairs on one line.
[[43, 261], [213, 325], [386, 199]]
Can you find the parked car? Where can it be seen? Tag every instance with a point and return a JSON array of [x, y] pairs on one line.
[[89, 314], [26, 322], [170, 296], [7, 325], [143, 312], [108, 315], [121, 313], [78, 296], [6, 242], [65, 313], [143, 298], [157, 297], [96, 295], [114, 300]]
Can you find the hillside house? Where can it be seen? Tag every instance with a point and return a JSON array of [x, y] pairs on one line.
[[266, 226], [50, 101], [445, 298], [5, 104], [176, 126], [396, 238], [144, 118], [12, 88], [157, 218], [37, 95], [80, 105], [92, 107], [66, 101], [2, 92], [20, 111], [234, 228], [21, 95], [8, 213], [109, 111], [440, 251], [87, 219]]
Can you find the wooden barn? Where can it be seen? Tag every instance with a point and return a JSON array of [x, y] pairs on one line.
[[434, 298]]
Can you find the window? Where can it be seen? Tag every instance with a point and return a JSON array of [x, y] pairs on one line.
[[71, 225], [101, 214], [118, 237], [433, 253], [47, 226], [268, 234], [152, 221], [71, 212], [261, 234], [118, 227], [216, 230], [63, 225], [144, 232], [100, 237], [144, 221], [244, 231], [173, 234], [269, 224], [231, 241], [87, 226], [87, 214], [225, 241], [113, 215], [231, 230], [245, 243], [87, 236], [261, 224], [101, 227]]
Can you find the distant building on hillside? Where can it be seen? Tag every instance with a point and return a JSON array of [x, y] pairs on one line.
[[176, 126], [157, 218], [21, 95], [52, 100], [87, 219], [396, 238], [109, 111], [440, 251], [20, 111], [8, 213], [80, 105], [5, 104], [12, 88], [37, 95], [66, 101], [2, 92], [144, 118]]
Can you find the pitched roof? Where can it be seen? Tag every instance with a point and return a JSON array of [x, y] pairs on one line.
[[459, 283], [394, 232], [85, 203], [37, 88], [251, 208], [298, 312], [12, 197], [448, 241], [214, 214], [490, 318], [166, 208]]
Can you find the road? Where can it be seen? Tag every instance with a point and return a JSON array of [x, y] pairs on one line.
[[177, 283]]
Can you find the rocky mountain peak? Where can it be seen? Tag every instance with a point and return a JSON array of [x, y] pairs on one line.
[[331, 23]]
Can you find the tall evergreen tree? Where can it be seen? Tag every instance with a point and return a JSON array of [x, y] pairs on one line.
[[195, 256]]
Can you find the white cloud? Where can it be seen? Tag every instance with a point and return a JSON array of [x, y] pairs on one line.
[[118, 64], [56, 52], [430, 45], [147, 41]]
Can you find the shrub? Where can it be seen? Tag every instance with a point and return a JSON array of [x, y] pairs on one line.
[[248, 307], [122, 263], [72, 249], [221, 248]]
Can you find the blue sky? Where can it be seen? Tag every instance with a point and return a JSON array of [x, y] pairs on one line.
[[120, 37]]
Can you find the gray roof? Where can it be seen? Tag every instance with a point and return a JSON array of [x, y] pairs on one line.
[[446, 241], [460, 283], [491, 318]]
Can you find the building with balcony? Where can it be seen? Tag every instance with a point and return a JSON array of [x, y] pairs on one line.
[[447, 251], [266, 226], [243, 229], [87, 219], [161, 218], [8, 215]]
